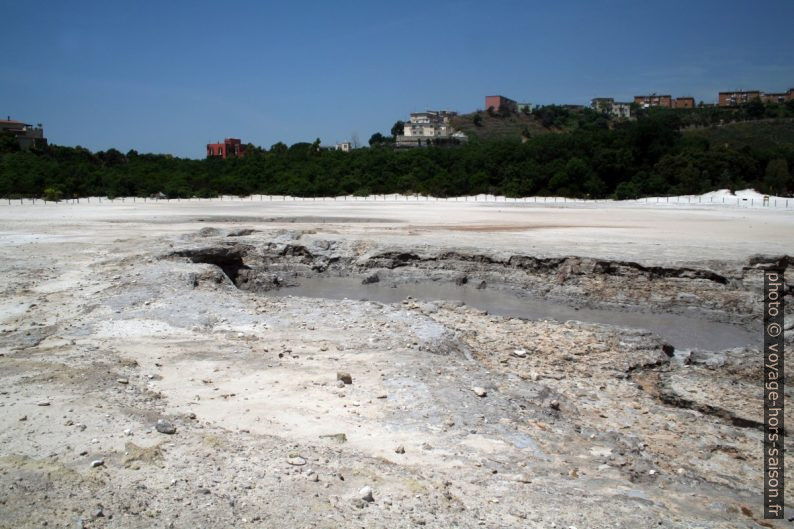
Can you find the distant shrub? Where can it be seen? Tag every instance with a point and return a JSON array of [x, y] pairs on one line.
[[53, 194]]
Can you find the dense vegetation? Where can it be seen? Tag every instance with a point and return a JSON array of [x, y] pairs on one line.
[[593, 157]]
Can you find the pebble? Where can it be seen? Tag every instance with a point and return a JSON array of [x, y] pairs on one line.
[[344, 377], [43, 403], [520, 353], [479, 391], [165, 427], [554, 405], [296, 461], [366, 494], [122, 381], [400, 449], [97, 463]]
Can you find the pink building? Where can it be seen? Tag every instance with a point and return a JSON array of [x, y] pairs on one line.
[[497, 102], [230, 148]]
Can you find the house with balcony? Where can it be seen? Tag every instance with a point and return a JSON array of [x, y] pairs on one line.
[[229, 148], [430, 127], [27, 135]]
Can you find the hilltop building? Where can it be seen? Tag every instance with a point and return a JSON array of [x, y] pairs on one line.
[[230, 148], [524, 107], [607, 105], [27, 135], [664, 101], [684, 102], [653, 100], [344, 146], [734, 99], [499, 102], [429, 127], [742, 97], [779, 98]]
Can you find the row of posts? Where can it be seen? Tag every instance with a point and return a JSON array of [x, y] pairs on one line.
[[765, 201]]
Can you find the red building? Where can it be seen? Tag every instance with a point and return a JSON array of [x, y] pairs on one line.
[[497, 102], [738, 98], [230, 148], [653, 100]]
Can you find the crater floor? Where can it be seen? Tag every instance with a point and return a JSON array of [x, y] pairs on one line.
[[284, 407]]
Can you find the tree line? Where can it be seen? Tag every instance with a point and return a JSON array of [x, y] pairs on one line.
[[598, 159]]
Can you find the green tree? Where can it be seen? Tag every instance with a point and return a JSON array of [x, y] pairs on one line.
[[376, 140], [777, 179], [398, 128]]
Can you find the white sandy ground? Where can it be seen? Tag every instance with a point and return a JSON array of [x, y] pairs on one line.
[[647, 232], [86, 303]]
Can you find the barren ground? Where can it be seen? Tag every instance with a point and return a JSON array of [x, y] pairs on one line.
[[115, 316]]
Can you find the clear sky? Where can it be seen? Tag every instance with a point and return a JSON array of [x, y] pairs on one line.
[[171, 76]]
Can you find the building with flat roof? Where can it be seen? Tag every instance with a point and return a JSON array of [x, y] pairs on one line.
[[684, 102], [607, 105], [426, 128], [654, 100], [26, 134], [779, 97], [500, 102], [735, 99], [230, 148]]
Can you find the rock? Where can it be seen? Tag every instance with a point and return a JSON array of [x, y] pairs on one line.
[[336, 437], [344, 377], [296, 460], [382, 396], [481, 285], [359, 503], [123, 381], [97, 463], [668, 349], [340, 384], [461, 280], [520, 353], [366, 494], [23, 418], [400, 449], [554, 405], [43, 403], [479, 391], [165, 427], [374, 278]]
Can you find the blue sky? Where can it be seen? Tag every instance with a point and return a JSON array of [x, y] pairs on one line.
[[171, 76]]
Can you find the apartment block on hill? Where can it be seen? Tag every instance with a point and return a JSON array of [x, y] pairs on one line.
[[734, 99], [664, 101], [27, 135], [742, 97], [654, 100], [607, 105], [230, 148], [779, 97], [424, 128], [499, 102]]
